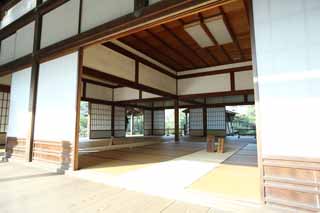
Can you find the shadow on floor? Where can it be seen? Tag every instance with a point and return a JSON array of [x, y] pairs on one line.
[[24, 177]]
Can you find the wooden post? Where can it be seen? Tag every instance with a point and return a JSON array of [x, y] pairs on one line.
[[176, 121], [205, 129], [34, 84], [152, 121], [112, 120]]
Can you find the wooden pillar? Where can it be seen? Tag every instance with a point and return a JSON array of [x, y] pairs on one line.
[[152, 121], [176, 121], [205, 129], [112, 120], [34, 84]]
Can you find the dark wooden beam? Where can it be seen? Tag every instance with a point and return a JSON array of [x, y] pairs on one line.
[[133, 56], [204, 113], [16, 65], [34, 85], [168, 46], [155, 14], [174, 65], [30, 16], [4, 88], [89, 81], [232, 81], [176, 121], [213, 39], [233, 36], [124, 82], [216, 72], [112, 119], [217, 94]]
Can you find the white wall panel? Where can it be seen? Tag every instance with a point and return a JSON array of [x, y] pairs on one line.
[[149, 95], [205, 84], [243, 80], [8, 49], [153, 78], [125, 93], [56, 102], [288, 52], [19, 104], [98, 92], [24, 40], [61, 23], [106, 60], [98, 12], [153, 1]]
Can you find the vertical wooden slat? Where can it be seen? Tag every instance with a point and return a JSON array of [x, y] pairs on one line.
[[34, 84], [204, 120], [176, 121]]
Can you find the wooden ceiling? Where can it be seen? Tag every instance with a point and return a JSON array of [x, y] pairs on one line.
[[172, 46]]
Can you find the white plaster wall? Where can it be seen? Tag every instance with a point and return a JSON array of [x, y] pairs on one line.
[[288, 52], [125, 93], [56, 102], [24, 40], [153, 1], [153, 78], [98, 12], [106, 60], [61, 23], [243, 80], [205, 84], [7, 49], [19, 104], [142, 55], [5, 80], [98, 92], [146, 95]]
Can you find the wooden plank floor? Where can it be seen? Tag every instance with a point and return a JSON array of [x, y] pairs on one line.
[[31, 190], [136, 158]]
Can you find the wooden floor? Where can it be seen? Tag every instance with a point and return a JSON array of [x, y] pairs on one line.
[[32, 190], [139, 157]]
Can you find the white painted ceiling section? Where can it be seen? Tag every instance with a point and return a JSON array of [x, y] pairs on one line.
[[199, 35], [142, 55], [216, 68], [219, 30]]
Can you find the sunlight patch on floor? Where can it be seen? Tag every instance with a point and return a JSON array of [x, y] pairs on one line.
[[237, 182]]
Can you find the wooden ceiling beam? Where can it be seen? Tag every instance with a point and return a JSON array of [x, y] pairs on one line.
[[160, 53], [183, 43], [233, 36], [178, 54], [213, 39]]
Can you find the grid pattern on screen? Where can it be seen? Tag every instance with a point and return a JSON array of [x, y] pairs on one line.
[[4, 111], [147, 119], [159, 119], [119, 118], [196, 119], [100, 117], [216, 118]]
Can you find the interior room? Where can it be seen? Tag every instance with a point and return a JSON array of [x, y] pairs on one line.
[[196, 66]]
